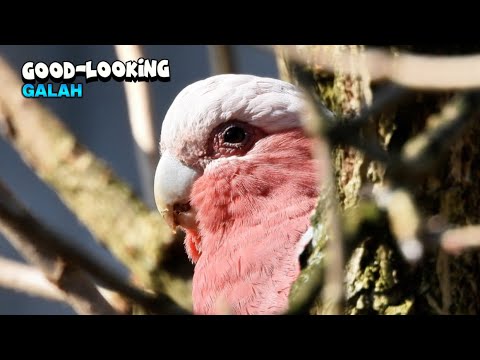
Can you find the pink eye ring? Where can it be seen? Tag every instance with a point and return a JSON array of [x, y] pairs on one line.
[[233, 138]]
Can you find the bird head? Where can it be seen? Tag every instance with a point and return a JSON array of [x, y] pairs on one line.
[[212, 125], [237, 174], [211, 122]]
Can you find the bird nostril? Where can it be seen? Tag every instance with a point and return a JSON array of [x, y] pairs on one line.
[[181, 208]]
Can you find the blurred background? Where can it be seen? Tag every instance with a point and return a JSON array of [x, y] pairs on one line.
[[100, 121]]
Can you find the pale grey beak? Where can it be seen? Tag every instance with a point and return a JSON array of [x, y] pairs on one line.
[[172, 186]]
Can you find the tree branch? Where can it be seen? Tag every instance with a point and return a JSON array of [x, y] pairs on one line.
[[455, 241], [79, 290], [54, 256], [26, 279], [29, 280], [106, 205], [329, 273], [324, 273], [221, 59], [141, 123], [423, 72]]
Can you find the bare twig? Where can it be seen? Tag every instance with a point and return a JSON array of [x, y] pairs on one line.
[[333, 291], [120, 303], [26, 279], [413, 71], [331, 276], [138, 236], [325, 274], [141, 122], [445, 281], [424, 152], [77, 287], [29, 280], [455, 241], [221, 59], [405, 220], [64, 263]]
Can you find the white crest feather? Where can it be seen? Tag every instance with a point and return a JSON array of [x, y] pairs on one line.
[[270, 104]]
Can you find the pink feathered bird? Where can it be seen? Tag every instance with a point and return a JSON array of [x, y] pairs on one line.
[[237, 174]]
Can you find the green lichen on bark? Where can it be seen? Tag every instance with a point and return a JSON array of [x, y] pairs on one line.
[[372, 276], [377, 280]]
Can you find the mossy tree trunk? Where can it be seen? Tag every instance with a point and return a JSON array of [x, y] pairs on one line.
[[377, 279]]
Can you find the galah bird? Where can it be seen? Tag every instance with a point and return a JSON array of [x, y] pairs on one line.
[[238, 176]]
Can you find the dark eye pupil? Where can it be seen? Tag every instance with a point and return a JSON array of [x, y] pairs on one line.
[[234, 135]]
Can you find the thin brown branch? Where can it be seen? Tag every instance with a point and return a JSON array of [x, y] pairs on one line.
[[325, 273], [329, 273], [77, 287], [31, 281], [221, 59], [404, 218], [413, 71], [455, 241], [122, 305], [106, 205], [27, 279], [54, 256], [333, 294], [333, 290], [140, 114]]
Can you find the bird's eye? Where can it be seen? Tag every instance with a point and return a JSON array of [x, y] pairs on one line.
[[234, 135], [232, 138]]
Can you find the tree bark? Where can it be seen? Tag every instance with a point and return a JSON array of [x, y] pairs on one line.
[[377, 278]]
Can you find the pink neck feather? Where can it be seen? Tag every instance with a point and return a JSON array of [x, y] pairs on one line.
[[251, 213]]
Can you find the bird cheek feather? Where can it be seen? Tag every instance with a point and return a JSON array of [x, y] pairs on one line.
[[193, 245]]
